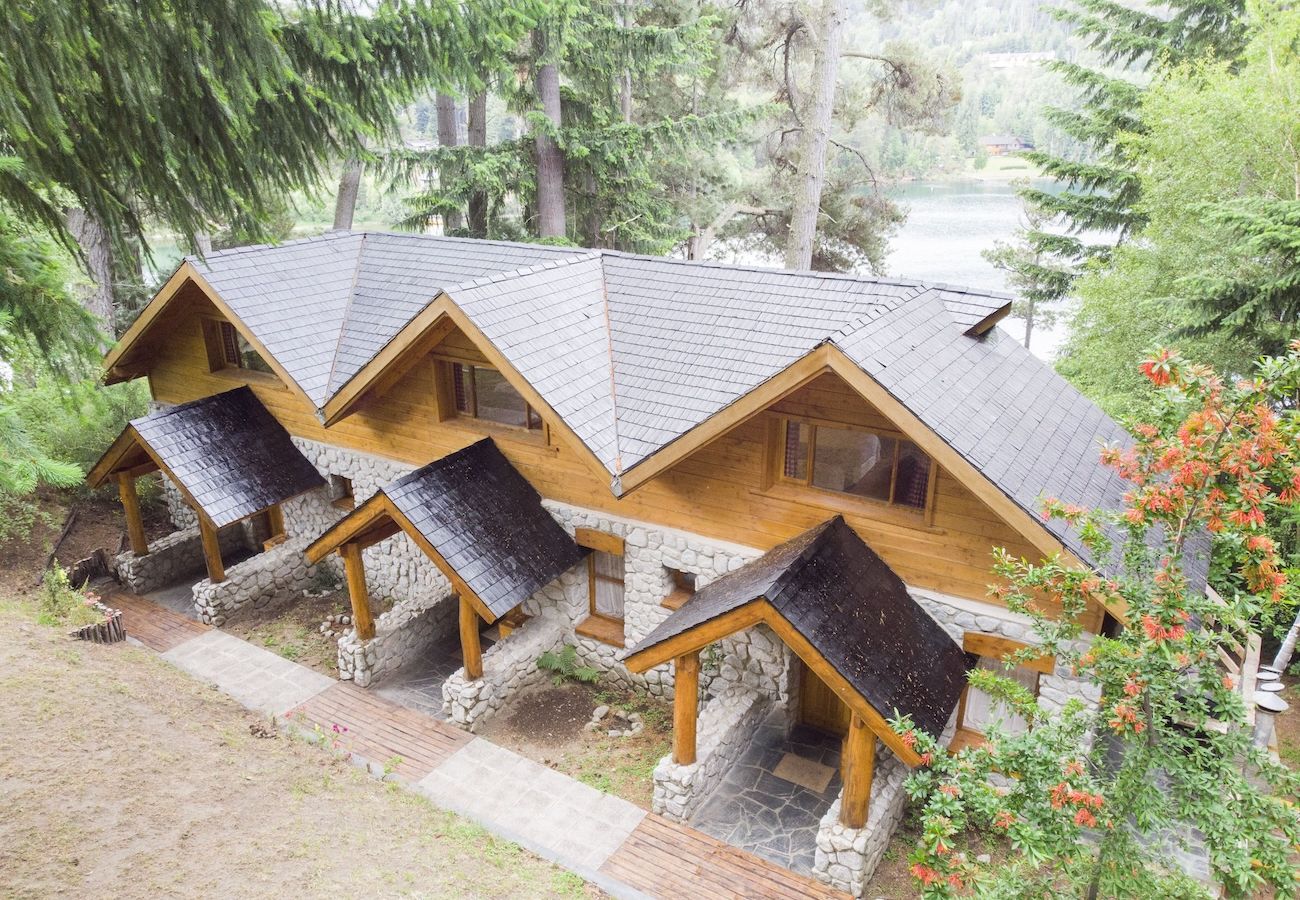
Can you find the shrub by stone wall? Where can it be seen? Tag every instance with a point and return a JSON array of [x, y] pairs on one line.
[[402, 635], [723, 731], [508, 666], [253, 582], [173, 558]]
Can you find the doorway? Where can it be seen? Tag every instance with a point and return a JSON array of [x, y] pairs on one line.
[[819, 706]]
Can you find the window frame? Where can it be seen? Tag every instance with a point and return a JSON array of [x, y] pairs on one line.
[[781, 448], [596, 625], [220, 338], [341, 492], [465, 386], [995, 648]]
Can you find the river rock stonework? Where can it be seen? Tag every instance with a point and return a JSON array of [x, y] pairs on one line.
[[254, 582], [173, 558], [509, 666]]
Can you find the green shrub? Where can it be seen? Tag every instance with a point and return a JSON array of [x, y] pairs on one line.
[[61, 604], [566, 667]]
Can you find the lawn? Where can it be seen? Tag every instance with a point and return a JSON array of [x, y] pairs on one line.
[[123, 776]]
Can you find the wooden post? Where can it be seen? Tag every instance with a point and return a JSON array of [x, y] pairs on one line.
[[360, 596], [470, 647], [211, 550], [858, 762], [686, 705], [131, 505]]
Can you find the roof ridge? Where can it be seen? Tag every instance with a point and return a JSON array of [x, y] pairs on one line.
[[522, 271], [613, 381], [347, 312]]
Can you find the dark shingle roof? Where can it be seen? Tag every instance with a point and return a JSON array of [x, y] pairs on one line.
[[836, 592], [488, 523], [632, 352], [229, 454]]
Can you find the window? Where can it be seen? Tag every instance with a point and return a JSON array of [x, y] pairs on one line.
[[341, 492], [605, 576], [683, 589], [978, 711], [228, 349], [882, 467], [483, 393]]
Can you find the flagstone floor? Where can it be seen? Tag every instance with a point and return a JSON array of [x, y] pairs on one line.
[[419, 686], [770, 817]]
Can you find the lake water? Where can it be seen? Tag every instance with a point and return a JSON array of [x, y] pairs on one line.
[[948, 224]]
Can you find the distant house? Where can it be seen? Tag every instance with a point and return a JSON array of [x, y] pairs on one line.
[[1004, 144]]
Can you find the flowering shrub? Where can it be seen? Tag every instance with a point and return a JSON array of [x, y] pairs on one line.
[[1084, 799]]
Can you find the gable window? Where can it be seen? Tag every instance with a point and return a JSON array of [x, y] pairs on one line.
[[875, 465], [483, 393], [228, 349], [605, 587]]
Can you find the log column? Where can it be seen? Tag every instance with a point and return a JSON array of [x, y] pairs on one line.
[[858, 764], [357, 592], [470, 647], [131, 506], [211, 550], [686, 706]]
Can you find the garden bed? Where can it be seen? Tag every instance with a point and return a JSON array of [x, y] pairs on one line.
[[290, 626], [548, 724]]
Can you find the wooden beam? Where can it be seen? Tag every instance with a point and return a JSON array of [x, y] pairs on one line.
[[211, 549], [347, 528], [698, 637], [134, 521], [598, 540], [997, 647], [686, 706], [858, 762], [470, 647], [355, 571]]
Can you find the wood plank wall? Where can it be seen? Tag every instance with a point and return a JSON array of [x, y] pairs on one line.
[[720, 492]]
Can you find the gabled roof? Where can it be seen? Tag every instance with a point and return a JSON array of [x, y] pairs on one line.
[[477, 518], [226, 453], [638, 356], [831, 588]]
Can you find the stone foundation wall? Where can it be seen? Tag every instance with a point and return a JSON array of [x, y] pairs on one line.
[[846, 858], [958, 616], [254, 582], [173, 558], [508, 666], [402, 635], [723, 731]]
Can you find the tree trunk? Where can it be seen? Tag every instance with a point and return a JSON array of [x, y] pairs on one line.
[[345, 205], [1284, 652], [478, 200], [815, 138], [447, 137], [1029, 323], [550, 160], [97, 251]]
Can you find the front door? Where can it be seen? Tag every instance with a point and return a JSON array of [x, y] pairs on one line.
[[819, 706]]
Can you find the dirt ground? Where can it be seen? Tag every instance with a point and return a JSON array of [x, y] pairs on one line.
[[1288, 724], [290, 626], [122, 776], [546, 725]]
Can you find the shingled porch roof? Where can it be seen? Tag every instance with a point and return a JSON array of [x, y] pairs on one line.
[[230, 457], [477, 518], [839, 607]]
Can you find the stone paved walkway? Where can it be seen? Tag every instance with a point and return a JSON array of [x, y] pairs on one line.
[[766, 815], [605, 840]]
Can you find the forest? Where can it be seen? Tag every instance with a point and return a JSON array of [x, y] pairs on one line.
[[1162, 231]]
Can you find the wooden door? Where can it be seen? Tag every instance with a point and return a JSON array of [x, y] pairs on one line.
[[819, 706]]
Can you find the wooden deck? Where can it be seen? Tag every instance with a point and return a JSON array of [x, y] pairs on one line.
[[381, 730], [668, 860], [157, 627]]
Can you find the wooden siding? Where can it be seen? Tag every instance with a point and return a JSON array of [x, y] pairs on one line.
[[722, 491]]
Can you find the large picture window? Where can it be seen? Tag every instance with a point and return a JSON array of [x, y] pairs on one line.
[[882, 467], [483, 393]]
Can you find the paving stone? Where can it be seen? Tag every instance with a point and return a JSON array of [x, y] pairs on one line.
[[257, 678]]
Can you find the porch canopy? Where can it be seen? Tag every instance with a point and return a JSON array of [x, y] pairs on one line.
[[229, 457], [845, 613], [480, 522]]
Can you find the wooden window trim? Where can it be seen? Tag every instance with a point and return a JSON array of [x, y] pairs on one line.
[[844, 501], [598, 626], [346, 501], [219, 363], [447, 396], [996, 648]]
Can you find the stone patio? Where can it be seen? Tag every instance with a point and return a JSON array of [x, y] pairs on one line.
[[419, 686], [770, 817]]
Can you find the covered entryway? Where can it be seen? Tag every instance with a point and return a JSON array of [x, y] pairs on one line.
[[233, 465], [820, 708]]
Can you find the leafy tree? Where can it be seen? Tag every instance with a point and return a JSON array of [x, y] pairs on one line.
[[1169, 745], [1214, 264], [1039, 279], [193, 113]]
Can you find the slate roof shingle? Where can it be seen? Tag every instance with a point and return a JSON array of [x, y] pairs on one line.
[[229, 454], [488, 523], [845, 601], [632, 352]]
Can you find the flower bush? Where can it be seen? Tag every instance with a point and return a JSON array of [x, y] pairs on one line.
[[1089, 801]]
